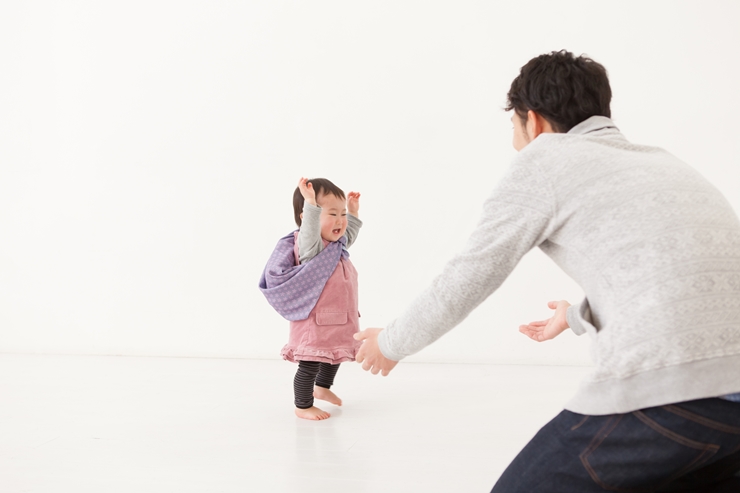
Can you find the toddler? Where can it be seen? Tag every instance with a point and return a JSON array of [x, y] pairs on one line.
[[310, 280]]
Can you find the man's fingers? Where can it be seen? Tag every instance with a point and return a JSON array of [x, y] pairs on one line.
[[360, 356], [373, 368], [533, 333], [376, 368], [369, 354], [534, 326]]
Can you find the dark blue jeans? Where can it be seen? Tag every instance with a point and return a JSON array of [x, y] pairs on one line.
[[689, 446]]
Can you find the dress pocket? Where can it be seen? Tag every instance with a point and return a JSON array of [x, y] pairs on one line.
[[331, 318]]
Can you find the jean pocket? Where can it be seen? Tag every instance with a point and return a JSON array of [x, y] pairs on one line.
[[632, 452]]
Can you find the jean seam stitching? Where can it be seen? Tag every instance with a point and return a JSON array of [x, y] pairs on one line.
[[597, 440], [673, 435], [575, 427], [707, 449], [702, 420]]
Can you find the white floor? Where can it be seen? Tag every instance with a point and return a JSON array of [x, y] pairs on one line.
[[118, 424]]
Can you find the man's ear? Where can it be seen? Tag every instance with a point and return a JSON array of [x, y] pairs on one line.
[[537, 124]]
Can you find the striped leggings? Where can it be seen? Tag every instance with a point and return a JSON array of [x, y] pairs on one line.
[[308, 374]]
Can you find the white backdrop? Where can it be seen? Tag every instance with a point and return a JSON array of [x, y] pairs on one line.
[[149, 151]]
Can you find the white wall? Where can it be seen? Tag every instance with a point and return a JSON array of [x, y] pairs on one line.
[[149, 150]]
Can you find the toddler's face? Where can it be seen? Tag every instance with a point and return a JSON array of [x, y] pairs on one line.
[[333, 216]]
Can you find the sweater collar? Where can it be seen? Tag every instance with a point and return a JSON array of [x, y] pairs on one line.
[[593, 124]]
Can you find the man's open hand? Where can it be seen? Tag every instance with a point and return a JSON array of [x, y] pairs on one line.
[[369, 354], [545, 330]]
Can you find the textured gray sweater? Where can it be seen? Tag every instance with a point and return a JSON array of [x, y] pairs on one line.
[[655, 247]]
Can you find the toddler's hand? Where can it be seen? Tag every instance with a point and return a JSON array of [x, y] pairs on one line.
[[309, 194], [353, 203]]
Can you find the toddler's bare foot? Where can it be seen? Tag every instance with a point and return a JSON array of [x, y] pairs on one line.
[[311, 413], [326, 395]]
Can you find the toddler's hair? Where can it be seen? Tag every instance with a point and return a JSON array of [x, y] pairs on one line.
[[321, 186]]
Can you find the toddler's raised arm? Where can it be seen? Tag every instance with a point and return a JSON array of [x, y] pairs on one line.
[[309, 235]]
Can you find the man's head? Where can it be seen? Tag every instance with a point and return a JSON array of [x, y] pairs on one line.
[[561, 88]]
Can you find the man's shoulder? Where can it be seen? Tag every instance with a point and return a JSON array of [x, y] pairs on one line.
[[555, 149], [547, 149]]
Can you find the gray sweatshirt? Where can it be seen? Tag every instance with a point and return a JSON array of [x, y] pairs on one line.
[[655, 247]]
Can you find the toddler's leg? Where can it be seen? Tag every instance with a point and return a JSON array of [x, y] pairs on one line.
[[325, 377], [303, 384], [324, 381]]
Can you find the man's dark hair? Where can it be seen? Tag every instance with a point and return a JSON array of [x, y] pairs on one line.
[[321, 186], [561, 87]]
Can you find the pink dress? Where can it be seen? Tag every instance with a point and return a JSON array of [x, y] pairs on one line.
[[326, 335]]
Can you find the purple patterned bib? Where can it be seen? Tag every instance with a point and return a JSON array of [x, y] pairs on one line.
[[293, 290]]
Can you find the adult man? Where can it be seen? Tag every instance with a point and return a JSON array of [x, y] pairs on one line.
[[656, 249]]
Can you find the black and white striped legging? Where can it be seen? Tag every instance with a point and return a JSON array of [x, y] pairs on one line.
[[308, 374]]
